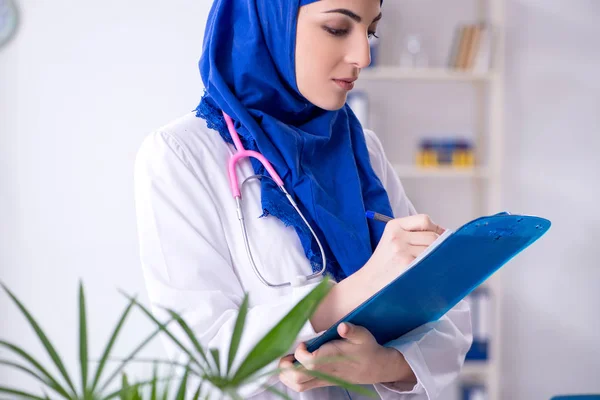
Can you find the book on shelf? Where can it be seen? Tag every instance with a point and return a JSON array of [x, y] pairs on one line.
[[473, 391], [481, 319], [471, 48]]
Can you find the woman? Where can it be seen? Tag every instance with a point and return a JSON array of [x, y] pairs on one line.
[[281, 69]]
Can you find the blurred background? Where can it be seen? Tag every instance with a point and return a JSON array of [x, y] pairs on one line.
[[482, 106]]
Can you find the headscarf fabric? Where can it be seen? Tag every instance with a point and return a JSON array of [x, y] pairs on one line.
[[248, 70]]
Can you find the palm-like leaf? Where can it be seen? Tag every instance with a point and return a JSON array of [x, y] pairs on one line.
[[279, 339], [20, 393], [277, 392], [165, 395], [183, 386], [190, 335], [340, 382], [237, 332], [154, 392], [125, 390], [197, 393], [271, 347], [163, 327], [110, 345], [131, 355], [44, 339], [43, 374], [83, 346], [35, 369], [217, 360], [36, 375]]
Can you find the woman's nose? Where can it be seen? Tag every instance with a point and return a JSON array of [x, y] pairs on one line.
[[359, 52]]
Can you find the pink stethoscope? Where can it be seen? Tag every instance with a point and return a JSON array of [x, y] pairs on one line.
[[241, 153]]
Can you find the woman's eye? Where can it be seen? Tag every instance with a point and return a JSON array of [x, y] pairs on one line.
[[373, 35], [335, 32]]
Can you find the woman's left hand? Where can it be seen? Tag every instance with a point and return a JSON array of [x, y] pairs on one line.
[[359, 359]]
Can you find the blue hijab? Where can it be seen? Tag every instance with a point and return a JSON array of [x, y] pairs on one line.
[[248, 69]]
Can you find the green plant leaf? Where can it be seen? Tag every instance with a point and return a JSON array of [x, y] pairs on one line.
[[277, 392], [125, 394], [215, 356], [160, 328], [154, 389], [46, 397], [20, 393], [166, 388], [198, 392], [130, 392], [166, 391], [163, 327], [137, 394], [190, 334], [342, 383], [53, 385], [320, 360], [43, 338], [109, 346], [237, 332], [83, 340], [277, 341], [19, 351], [118, 393], [183, 386]]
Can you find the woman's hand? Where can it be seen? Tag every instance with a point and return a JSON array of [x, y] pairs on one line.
[[358, 359], [403, 240]]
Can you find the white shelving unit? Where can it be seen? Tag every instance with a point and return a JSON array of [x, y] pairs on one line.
[[411, 171], [486, 178]]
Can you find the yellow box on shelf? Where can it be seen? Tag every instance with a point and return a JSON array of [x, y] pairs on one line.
[[463, 158], [427, 158]]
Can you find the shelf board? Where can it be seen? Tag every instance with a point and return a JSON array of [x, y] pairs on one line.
[[423, 74], [413, 171], [475, 370]]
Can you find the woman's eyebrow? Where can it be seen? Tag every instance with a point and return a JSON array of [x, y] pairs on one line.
[[351, 14]]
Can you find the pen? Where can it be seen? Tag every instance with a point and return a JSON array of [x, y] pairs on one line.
[[378, 217]]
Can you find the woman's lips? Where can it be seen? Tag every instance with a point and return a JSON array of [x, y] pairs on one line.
[[344, 84]]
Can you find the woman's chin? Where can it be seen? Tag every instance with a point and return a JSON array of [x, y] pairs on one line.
[[331, 102]]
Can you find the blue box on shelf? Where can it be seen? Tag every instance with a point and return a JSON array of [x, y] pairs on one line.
[[478, 351], [473, 391], [481, 320]]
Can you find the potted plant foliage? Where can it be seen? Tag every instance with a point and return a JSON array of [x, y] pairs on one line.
[[203, 368]]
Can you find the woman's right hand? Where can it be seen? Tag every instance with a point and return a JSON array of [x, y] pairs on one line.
[[402, 241]]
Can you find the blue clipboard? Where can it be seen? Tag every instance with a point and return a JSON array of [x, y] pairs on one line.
[[443, 277]]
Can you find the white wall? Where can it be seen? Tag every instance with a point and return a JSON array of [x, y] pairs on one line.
[[80, 86]]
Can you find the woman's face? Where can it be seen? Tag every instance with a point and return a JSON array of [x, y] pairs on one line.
[[332, 46]]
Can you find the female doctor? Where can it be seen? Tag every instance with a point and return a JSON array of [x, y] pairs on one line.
[[276, 74]]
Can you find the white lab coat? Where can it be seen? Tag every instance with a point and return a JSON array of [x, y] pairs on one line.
[[194, 259]]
